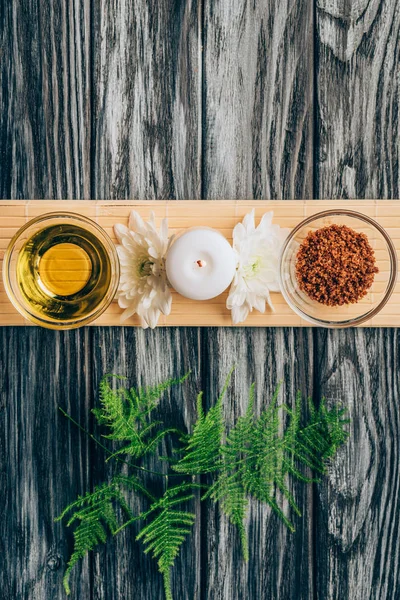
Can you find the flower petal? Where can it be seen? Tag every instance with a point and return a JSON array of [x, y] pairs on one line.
[[239, 314], [120, 231], [136, 222], [143, 285], [258, 254]]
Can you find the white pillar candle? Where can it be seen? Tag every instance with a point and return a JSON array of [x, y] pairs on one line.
[[200, 264]]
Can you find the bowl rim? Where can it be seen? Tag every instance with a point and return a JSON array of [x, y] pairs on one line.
[[73, 323], [353, 322]]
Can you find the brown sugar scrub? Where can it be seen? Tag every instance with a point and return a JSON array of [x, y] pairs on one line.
[[335, 265]]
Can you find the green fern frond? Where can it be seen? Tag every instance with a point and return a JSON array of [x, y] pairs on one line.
[[230, 492], [330, 425], [272, 456], [125, 412], [228, 488], [96, 514], [257, 459], [260, 454], [202, 452], [164, 535]]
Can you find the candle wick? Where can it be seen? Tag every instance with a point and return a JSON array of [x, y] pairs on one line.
[[201, 263]]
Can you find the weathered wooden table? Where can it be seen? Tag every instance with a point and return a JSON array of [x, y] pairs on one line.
[[200, 99]]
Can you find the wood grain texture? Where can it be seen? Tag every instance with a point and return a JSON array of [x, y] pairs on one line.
[[121, 570], [45, 99], [281, 563], [357, 88], [127, 98], [358, 506], [357, 152], [44, 462], [258, 92], [146, 93]]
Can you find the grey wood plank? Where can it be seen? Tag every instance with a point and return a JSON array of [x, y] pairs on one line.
[[281, 563], [357, 150], [257, 102], [121, 570], [147, 144], [258, 99], [146, 95], [357, 89], [44, 462], [45, 99], [358, 506]]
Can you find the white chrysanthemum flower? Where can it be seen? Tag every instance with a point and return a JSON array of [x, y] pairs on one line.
[[143, 287], [258, 251]]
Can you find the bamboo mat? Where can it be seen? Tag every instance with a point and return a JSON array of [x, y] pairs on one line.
[[222, 215]]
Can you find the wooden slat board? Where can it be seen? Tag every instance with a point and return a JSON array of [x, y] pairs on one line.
[[222, 216]]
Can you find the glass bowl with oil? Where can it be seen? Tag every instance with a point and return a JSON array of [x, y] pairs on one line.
[[61, 270]]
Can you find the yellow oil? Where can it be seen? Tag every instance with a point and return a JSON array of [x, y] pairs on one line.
[[63, 272], [64, 269]]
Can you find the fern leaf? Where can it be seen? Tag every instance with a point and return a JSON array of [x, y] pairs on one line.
[[257, 458], [203, 448], [125, 412], [230, 492], [87, 535], [229, 489], [260, 454], [202, 452], [329, 427], [164, 535], [273, 455], [96, 516]]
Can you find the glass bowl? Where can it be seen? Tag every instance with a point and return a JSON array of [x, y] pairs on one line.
[[348, 315], [61, 270]]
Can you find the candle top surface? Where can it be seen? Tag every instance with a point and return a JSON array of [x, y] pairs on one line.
[[200, 264]]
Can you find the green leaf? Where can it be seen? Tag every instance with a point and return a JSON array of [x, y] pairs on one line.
[[260, 454], [202, 452], [126, 413], [95, 513], [258, 458], [167, 530]]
